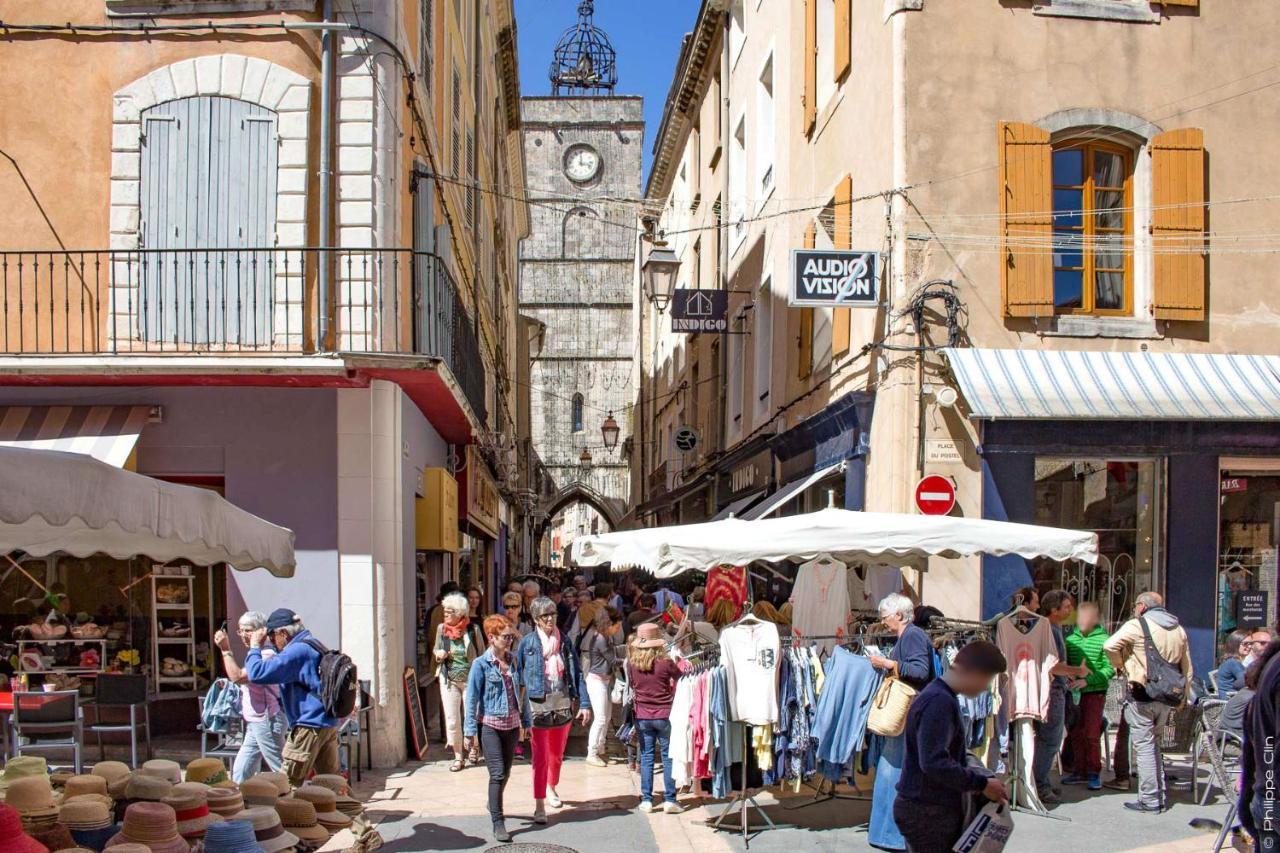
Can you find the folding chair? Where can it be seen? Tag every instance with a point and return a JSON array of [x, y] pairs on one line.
[[41, 717]]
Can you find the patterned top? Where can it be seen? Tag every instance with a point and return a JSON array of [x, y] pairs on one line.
[[727, 582], [511, 719]]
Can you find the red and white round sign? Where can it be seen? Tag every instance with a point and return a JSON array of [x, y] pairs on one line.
[[935, 495]]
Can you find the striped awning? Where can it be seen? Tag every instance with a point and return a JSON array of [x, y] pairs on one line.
[[107, 433], [1053, 384]]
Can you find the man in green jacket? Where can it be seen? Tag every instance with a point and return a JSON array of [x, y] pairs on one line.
[[1084, 645]]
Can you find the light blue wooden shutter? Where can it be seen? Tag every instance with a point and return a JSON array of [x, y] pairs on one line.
[[208, 198]]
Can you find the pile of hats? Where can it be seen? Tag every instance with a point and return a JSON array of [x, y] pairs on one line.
[[90, 823], [13, 839], [268, 830], [347, 804], [32, 798], [20, 767], [153, 825], [210, 771], [232, 836], [190, 802], [299, 817], [326, 806]]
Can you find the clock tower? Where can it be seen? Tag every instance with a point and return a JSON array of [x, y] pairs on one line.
[[582, 148]]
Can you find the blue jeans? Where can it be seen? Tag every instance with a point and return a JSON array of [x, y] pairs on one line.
[[1049, 737], [263, 741], [655, 733]]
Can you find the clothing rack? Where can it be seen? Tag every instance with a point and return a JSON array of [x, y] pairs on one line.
[[743, 800]]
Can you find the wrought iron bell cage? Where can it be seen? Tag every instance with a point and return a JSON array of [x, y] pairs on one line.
[[584, 61]]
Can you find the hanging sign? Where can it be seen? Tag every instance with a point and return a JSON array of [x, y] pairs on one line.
[[935, 495], [1230, 485], [699, 310], [833, 278]]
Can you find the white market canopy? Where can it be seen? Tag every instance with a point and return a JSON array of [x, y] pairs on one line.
[[880, 537], [52, 502]]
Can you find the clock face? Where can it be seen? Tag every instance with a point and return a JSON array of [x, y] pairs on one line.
[[581, 162]]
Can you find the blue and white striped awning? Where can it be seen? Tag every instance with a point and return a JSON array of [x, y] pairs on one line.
[[1052, 384], [107, 433]]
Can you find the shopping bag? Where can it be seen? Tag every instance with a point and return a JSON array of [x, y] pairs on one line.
[[989, 831], [889, 707]]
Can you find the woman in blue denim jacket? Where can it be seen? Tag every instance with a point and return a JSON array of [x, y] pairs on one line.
[[554, 692], [495, 717]]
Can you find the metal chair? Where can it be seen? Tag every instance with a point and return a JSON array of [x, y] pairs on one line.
[[50, 721], [119, 692]]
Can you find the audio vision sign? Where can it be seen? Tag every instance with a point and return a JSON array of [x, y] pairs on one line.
[[832, 278]]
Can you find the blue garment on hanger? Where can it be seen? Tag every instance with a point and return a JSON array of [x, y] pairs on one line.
[[841, 720]]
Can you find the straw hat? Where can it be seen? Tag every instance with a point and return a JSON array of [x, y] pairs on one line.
[[154, 825], [112, 771], [259, 792], [79, 786], [190, 802], [326, 804], [648, 636], [280, 780], [347, 804], [210, 771], [56, 837], [33, 798], [147, 787], [58, 778], [130, 847], [84, 813], [21, 767], [12, 838], [232, 836], [225, 801], [164, 768], [268, 830], [299, 817]]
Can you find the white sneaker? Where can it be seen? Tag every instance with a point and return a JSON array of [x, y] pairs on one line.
[[672, 807], [539, 813], [553, 799], [597, 761], [646, 806]]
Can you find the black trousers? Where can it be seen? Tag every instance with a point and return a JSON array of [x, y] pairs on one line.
[[499, 747], [928, 827]]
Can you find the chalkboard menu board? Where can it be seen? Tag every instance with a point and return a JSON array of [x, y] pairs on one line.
[[1251, 607], [413, 700]]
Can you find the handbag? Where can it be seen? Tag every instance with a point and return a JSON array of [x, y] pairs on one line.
[[889, 707]]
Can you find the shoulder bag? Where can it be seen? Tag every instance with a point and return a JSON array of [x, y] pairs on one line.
[[889, 707]]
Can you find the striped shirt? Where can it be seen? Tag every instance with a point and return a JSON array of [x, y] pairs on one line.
[[511, 719]]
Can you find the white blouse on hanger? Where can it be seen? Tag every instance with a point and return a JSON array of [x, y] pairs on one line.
[[820, 600]]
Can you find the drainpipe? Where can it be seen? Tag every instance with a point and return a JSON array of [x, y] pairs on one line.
[[726, 69], [326, 179]]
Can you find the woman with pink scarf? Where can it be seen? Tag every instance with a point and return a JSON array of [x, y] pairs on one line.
[[554, 693]]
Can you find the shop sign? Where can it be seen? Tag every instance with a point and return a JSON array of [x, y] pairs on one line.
[[822, 278], [1251, 607], [482, 494], [942, 450], [743, 477], [1231, 485], [436, 512], [694, 310], [935, 495]]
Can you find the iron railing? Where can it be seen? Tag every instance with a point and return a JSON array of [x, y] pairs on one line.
[[241, 301]]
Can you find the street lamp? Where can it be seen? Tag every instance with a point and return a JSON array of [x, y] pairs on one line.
[[659, 276], [584, 459], [610, 431]]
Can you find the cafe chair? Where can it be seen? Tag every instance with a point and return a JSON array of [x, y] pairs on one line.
[[49, 722], [118, 694]]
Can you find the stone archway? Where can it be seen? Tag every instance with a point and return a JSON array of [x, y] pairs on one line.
[[611, 509]]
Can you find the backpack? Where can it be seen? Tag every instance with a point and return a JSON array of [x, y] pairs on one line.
[[1165, 681], [338, 682]]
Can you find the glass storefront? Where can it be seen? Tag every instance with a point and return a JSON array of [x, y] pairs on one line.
[[1248, 535], [1121, 501]]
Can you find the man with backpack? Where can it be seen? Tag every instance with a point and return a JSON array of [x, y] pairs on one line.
[[317, 686], [1152, 650]]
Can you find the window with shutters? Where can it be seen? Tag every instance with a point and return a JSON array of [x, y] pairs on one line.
[[826, 47], [737, 30], [1092, 228], [762, 337], [426, 34], [737, 371], [738, 183], [764, 132], [455, 132], [471, 190]]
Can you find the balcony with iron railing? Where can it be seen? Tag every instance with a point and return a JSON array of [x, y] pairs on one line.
[[238, 301]]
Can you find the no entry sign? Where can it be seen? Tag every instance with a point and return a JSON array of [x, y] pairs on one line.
[[935, 495]]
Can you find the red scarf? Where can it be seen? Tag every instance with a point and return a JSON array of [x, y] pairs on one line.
[[455, 630]]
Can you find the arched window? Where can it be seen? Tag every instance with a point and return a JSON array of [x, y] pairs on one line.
[[582, 234], [576, 414]]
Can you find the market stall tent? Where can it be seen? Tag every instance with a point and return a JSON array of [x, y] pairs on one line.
[[71, 503], [889, 538]]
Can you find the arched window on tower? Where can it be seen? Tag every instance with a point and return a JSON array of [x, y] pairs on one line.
[[576, 413]]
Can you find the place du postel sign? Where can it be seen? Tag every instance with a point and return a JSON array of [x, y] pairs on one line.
[[833, 278]]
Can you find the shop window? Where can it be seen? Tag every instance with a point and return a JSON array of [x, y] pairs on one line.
[[1120, 500], [1092, 228], [1247, 566]]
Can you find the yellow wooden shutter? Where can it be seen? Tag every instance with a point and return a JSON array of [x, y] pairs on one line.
[[843, 35], [1026, 205], [841, 317], [1191, 3], [1177, 224], [804, 364], [810, 99]]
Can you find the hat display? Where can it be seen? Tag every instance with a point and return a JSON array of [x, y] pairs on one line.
[[648, 636], [326, 804], [225, 801], [232, 836], [142, 786], [112, 771], [22, 766], [154, 825], [79, 786], [190, 802], [299, 817], [268, 830], [347, 804], [32, 797], [280, 780], [12, 838], [210, 771], [164, 768], [259, 792], [84, 813]]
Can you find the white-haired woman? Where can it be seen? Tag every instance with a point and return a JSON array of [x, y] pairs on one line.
[[265, 727], [910, 660], [457, 645]]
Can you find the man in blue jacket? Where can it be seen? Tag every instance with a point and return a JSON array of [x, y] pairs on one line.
[[313, 734]]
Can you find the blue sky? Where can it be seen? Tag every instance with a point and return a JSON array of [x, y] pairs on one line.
[[645, 33]]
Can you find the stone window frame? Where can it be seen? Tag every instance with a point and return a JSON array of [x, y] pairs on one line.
[[230, 75]]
